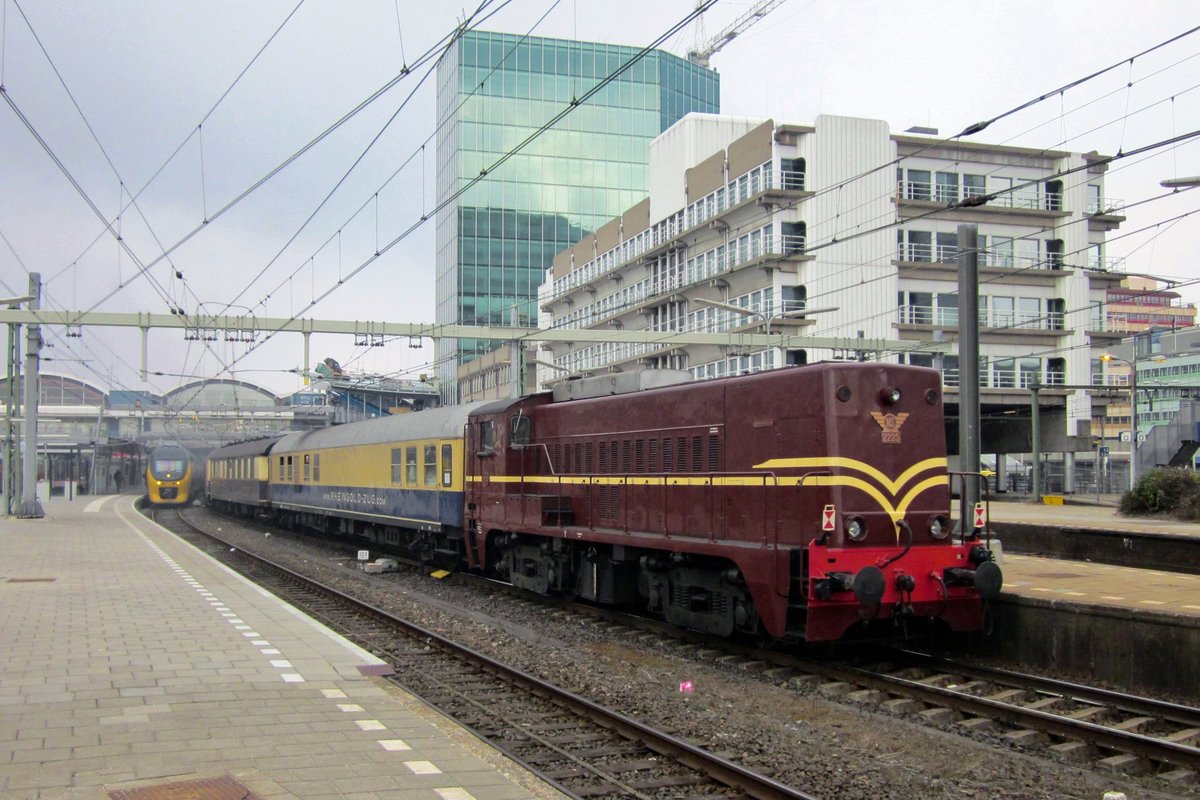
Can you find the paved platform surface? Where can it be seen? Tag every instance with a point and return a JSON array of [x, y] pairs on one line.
[[1088, 583], [1101, 516], [130, 660]]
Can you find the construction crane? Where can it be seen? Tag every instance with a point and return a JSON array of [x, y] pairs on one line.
[[703, 53]]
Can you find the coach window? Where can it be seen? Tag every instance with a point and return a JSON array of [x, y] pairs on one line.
[[317, 468], [431, 469], [307, 468], [447, 465], [410, 466], [281, 468], [396, 469], [291, 475]]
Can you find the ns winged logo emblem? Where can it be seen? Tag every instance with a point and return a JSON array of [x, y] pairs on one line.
[[890, 425]]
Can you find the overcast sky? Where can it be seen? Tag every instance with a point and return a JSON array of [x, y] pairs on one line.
[[145, 74]]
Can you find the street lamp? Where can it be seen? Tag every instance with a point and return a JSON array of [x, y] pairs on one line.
[[1133, 429], [1181, 183]]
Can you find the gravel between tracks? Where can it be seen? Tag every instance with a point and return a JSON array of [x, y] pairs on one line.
[[825, 748]]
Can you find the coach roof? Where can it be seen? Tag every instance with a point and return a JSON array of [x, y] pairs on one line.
[[253, 447], [432, 423]]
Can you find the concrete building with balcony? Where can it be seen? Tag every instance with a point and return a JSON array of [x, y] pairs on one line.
[[753, 225]]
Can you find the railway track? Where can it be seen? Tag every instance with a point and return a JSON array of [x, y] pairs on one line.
[[580, 747], [1114, 731]]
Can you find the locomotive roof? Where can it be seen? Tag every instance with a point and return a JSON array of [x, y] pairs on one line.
[[254, 447], [432, 423]]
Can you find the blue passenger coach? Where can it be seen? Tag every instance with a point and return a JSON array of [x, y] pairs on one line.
[[395, 481]]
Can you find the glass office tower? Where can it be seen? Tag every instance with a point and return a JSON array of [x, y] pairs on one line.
[[497, 238]]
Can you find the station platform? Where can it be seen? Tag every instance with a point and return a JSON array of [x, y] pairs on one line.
[[135, 667], [1122, 609], [1101, 515], [1088, 580]]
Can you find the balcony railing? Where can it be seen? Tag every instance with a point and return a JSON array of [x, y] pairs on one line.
[[1028, 197], [988, 318], [1007, 378], [715, 203], [1000, 259], [1105, 263], [1105, 205], [701, 267]]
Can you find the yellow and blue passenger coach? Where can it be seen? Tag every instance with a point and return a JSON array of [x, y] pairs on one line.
[[396, 481], [237, 476]]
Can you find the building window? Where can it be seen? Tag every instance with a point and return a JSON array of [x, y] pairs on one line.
[[974, 185], [917, 185], [947, 187]]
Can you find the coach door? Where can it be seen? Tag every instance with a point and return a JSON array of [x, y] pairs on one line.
[[479, 466]]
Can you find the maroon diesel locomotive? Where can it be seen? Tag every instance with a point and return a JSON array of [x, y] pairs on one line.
[[810, 502]]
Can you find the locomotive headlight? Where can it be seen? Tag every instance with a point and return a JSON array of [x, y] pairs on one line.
[[890, 396], [856, 529], [939, 527]]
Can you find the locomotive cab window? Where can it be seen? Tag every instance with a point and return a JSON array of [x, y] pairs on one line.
[[487, 438], [520, 426]]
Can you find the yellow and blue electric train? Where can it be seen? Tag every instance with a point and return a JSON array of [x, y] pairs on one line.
[[170, 472]]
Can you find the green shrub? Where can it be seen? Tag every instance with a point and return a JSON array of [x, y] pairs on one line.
[[1164, 491]]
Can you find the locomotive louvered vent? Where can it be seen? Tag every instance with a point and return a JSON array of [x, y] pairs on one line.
[[556, 454], [609, 502], [653, 447], [668, 451], [626, 446], [603, 458], [639, 456], [697, 455], [714, 454], [587, 451], [681, 454]]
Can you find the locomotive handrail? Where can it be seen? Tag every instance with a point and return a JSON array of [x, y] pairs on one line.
[[985, 495], [539, 446]]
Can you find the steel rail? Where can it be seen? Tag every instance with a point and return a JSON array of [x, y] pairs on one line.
[[1119, 741], [1134, 704]]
